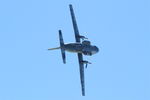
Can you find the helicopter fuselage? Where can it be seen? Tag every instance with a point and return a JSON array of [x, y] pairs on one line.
[[86, 49]]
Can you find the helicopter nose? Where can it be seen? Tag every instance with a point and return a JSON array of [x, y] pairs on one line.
[[97, 49]]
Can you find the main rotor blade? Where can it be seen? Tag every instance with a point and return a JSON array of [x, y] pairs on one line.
[[75, 27], [81, 67]]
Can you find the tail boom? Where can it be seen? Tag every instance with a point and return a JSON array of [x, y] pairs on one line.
[[54, 48]]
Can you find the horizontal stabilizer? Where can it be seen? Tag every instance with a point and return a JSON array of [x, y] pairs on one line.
[[54, 48], [62, 47]]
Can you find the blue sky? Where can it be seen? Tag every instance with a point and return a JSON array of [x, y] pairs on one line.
[[120, 71]]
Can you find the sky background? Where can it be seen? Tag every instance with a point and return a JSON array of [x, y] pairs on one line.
[[120, 71]]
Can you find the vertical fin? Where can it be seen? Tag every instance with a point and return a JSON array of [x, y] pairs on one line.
[[62, 47]]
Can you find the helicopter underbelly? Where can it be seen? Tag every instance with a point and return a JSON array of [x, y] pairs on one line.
[[72, 47]]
